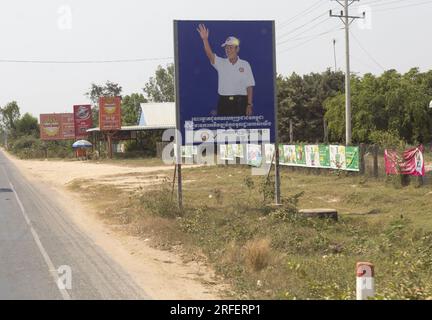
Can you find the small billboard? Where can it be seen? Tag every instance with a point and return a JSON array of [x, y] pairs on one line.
[[109, 113], [57, 126], [83, 120]]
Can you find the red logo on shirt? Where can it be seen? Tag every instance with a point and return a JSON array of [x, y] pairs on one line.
[[241, 69]]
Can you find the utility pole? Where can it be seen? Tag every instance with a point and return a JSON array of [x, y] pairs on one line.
[[347, 20]]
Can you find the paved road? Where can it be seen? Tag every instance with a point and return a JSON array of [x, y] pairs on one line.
[[37, 238]]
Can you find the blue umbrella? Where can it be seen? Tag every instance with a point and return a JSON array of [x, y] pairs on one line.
[[82, 144]]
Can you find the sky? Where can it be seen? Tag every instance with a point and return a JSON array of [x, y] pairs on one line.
[[395, 35]]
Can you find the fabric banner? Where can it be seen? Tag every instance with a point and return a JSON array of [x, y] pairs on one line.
[[320, 156], [312, 156], [411, 163], [254, 155], [238, 150], [269, 153], [352, 158], [324, 156], [337, 157], [226, 152], [187, 151]]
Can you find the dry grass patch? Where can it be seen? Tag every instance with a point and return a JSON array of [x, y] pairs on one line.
[[257, 254]]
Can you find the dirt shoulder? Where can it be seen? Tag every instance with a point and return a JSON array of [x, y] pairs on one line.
[[162, 274]]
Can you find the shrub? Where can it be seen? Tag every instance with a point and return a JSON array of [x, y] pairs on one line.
[[387, 139], [161, 203], [257, 254]]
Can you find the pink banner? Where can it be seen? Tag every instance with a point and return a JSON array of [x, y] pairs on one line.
[[411, 163]]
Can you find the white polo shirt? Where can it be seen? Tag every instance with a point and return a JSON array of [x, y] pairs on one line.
[[235, 78]]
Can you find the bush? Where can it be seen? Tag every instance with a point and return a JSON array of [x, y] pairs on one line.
[[387, 139], [257, 254], [161, 203], [27, 147]]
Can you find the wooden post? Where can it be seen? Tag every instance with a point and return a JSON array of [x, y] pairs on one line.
[[291, 133], [375, 160], [109, 139], [325, 131], [362, 159]]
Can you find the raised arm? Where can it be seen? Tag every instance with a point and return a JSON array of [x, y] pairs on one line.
[[204, 34]]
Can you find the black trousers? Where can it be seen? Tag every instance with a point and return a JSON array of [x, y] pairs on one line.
[[232, 105]]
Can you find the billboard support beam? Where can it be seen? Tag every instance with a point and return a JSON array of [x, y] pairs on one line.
[[177, 134], [277, 168]]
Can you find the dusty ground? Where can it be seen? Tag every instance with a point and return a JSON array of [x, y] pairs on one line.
[[162, 274]]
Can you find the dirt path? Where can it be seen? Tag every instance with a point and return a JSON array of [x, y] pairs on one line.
[[161, 274]]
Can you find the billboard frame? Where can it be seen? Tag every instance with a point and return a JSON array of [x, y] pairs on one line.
[[178, 124]]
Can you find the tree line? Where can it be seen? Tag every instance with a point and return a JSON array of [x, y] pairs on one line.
[[387, 109]]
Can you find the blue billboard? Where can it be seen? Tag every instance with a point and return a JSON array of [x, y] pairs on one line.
[[225, 77]]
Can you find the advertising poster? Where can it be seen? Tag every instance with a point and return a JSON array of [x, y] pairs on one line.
[[83, 120], [300, 155], [337, 157], [225, 76], [254, 155], [109, 113], [57, 126], [312, 156], [281, 154], [352, 158], [289, 154], [269, 152], [324, 156], [50, 127], [187, 151], [238, 150], [226, 152], [67, 126]]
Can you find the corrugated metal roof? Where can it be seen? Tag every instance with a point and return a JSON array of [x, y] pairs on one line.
[[153, 116], [160, 115]]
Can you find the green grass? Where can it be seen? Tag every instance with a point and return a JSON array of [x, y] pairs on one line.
[[267, 252]]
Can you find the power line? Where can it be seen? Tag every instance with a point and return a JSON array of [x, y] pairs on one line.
[[296, 38], [83, 61], [312, 27], [307, 41], [304, 12], [392, 2], [406, 6], [303, 25], [367, 53]]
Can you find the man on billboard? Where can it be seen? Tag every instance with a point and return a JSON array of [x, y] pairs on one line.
[[235, 77]]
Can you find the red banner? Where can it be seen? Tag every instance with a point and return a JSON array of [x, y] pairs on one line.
[[411, 163], [109, 113], [83, 120]]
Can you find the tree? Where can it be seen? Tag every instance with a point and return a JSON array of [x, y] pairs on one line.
[[27, 126], [110, 89], [160, 88], [9, 114], [389, 105], [301, 100], [131, 108]]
